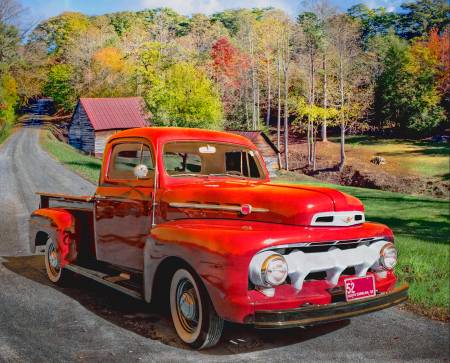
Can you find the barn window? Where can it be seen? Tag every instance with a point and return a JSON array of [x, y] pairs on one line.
[[126, 157]]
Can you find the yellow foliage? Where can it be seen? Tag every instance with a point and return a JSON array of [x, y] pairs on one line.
[[110, 58]]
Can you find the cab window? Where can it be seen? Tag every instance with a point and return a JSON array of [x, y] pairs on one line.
[[126, 157]]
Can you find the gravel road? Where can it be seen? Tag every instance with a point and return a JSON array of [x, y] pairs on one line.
[[87, 322]]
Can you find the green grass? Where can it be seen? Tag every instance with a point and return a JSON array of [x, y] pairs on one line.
[[421, 227], [4, 133], [87, 166], [425, 158]]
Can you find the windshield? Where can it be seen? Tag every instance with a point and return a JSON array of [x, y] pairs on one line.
[[194, 158]]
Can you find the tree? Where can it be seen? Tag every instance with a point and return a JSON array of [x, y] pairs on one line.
[[9, 39], [314, 116], [344, 39], [230, 67], [59, 86], [313, 37], [421, 16], [374, 22], [8, 100], [407, 96], [60, 32], [183, 96]]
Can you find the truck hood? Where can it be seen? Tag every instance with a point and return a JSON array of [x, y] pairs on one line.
[[263, 202]]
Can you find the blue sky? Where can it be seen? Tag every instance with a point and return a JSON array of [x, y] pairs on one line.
[[41, 9]]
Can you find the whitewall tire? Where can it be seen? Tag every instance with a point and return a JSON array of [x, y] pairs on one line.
[[52, 262], [193, 314]]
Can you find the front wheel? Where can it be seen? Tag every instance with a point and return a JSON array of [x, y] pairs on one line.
[[193, 314]]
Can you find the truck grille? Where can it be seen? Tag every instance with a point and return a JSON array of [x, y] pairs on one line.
[[310, 247]]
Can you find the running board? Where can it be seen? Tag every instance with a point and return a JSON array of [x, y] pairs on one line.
[[102, 278]]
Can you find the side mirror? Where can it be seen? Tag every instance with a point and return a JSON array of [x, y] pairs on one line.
[[140, 171]]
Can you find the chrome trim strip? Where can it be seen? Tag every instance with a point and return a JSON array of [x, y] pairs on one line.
[[228, 208]]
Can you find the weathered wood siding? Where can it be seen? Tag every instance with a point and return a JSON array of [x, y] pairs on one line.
[[81, 133], [100, 140], [268, 153]]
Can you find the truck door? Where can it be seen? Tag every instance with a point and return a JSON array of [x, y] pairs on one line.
[[124, 202]]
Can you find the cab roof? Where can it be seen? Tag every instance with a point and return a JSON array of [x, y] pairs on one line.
[[163, 135]]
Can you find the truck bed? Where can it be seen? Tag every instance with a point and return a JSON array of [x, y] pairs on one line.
[[73, 202]]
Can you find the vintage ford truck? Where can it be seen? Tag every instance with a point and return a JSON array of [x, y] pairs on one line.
[[191, 218]]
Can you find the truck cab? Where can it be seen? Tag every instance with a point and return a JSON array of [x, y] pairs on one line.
[[191, 217]]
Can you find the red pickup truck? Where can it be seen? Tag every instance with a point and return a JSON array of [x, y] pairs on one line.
[[190, 217]]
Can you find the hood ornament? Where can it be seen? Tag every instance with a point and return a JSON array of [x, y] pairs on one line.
[[348, 219]]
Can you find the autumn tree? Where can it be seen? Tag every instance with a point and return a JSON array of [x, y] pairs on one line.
[[183, 96], [407, 96], [350, 73], [60, 86], [230, 68]]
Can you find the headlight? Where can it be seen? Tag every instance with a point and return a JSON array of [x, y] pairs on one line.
[[268, 269], [388, 256]]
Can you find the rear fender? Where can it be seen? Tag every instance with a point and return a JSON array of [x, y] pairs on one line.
[[58, 224]]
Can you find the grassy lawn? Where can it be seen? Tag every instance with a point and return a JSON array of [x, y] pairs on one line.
[[421, 227], [87, 166], [425, 158]]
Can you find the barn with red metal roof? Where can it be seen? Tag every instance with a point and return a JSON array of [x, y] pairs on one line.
[[96, 119]]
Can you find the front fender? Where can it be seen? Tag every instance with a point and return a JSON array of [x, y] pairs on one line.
[[58, 224], [220, 252]]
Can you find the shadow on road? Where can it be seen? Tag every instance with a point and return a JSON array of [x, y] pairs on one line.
[[148, 321]]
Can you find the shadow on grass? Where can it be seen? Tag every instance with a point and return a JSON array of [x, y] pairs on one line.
[[428, 230], [88, 164]]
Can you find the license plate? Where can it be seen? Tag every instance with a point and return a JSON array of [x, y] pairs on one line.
[[359, 288]]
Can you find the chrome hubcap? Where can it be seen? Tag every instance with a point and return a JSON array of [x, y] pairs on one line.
[[187, 305], [53, 259]]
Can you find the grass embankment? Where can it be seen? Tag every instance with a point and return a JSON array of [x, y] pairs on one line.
[[421, 227], [87, 166], [425, 158], [4, 133]]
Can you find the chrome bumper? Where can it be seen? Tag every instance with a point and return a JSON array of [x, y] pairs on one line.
[[318, 314]]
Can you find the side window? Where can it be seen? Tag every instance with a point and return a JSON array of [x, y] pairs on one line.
[[126, 157], [242, 162]]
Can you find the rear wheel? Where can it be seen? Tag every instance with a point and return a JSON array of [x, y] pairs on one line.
[[52, 263], [193, 314]]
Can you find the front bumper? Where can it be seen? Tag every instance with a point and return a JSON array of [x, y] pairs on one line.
[[317, 314]]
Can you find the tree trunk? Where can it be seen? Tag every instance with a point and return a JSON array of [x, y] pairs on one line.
[[308, 140], [314, 144], [252, 57], [286, 105], [268, 94], [342, 163], [257, 104], [325, 98], [311, 98], [341, 91], [279, 102]]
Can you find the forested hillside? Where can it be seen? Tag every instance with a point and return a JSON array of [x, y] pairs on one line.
[[242, 69]]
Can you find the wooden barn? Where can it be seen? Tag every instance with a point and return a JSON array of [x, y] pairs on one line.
[[266, 147], [96, 119]]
